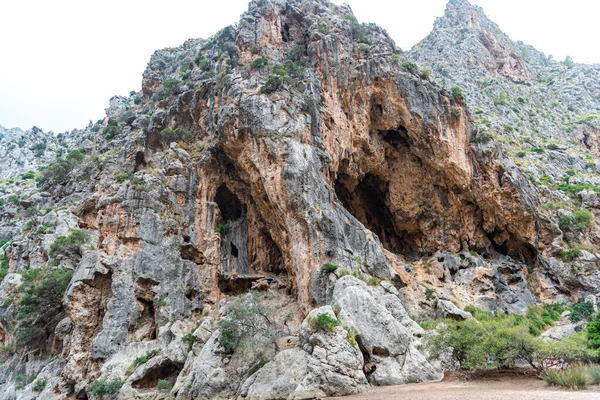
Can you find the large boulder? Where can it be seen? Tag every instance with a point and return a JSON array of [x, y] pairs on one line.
[[387, 337], [327, 364]]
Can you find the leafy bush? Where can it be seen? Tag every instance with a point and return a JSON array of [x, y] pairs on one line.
[[324, 322], [171, 86], [39, 385], [67, 246], [110, 132], [410, 67], [570, 254], [177, 134], [189, 340], [501, 99], [574, 377], [28, 175], [569, 62], [123, 176], [593, 332], [102, 387], [223, 228], [250, 329], [260, 63], [430, 294], [55, 173], [329, 268], [40, 305], [521, 154], [582, 310], [581, 219], [457, 93]]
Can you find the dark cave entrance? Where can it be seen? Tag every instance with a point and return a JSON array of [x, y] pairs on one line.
[[367, 203], [167, 370], [229, 204]]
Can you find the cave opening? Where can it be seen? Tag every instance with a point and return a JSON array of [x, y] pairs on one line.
[[234, 250], [167, 370], [367, 203], [396, 137], [229, 204], [140, 161]]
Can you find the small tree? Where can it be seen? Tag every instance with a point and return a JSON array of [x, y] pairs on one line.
[[457, 93], [569, 62]]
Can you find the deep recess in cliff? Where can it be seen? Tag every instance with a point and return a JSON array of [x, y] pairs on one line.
[[297, 162]]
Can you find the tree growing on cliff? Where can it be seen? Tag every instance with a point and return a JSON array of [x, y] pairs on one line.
[[251, 329]]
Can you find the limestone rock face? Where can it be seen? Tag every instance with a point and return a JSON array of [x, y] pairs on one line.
[[293, 154], [386, 335]]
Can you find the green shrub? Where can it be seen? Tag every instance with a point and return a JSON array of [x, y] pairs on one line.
[[163, 385], [55, 173], [481, 139], [251, 329], [582, 310], [501, 99], [260, 63], [141, 360], [171, 86], [593, 332], [223, 228], [276, 80], [324, 322], [39, 385], [570, 254], [40, 305], [574, 377], [177, 134], [28, 175], [581, 219], [20, 381], [430, 294], [68, 245], [569, 62], [110, 132], [521, 154], [123, 176], [410, 67], [102, 387], [457, 93], [329, 268], [189, 340]]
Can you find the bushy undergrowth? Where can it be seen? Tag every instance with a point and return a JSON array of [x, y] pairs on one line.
[[501, 340], [577, 376], [102, 387], [39, 305]]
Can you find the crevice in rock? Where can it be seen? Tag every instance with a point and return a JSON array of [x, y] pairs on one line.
[[167, 370], [140, 161], [144, 328], [190, 253]]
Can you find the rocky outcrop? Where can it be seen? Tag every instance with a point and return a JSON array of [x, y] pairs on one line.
[[294, 154]]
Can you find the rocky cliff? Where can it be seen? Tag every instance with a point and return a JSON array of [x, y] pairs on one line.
[[266, 215]]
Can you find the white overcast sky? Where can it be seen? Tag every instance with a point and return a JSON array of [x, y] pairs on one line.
[[61, 60]]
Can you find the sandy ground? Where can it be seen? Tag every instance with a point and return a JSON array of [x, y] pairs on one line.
[[520, 389]]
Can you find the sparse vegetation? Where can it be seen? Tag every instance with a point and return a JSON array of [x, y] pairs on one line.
[[102, 387], [329, 268], [324, 322], [457, 93]]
